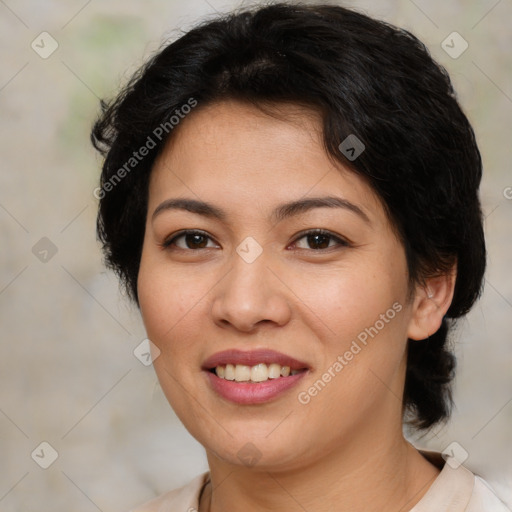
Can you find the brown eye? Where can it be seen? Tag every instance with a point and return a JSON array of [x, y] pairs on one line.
[[193, 240], [319, 239]]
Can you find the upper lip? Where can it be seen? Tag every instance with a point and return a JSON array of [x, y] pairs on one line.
[[252, 358]]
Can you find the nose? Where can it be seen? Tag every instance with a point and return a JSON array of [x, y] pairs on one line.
[[250, 295]]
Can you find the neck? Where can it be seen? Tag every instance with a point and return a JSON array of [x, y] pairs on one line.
[[355, 479]]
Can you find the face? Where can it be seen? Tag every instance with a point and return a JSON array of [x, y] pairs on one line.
[[319, 286]]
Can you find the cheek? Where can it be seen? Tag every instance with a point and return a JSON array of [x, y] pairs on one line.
[[164, 296], [169, 306], [352, 298], [364, 319], [175, 304], [360, 368]]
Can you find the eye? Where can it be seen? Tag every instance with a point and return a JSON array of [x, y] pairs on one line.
[[319, 239], [193, 239]]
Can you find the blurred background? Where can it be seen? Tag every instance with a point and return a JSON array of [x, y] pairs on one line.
[[69, 376]]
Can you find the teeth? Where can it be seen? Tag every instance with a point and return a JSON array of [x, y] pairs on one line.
[[258, 373], [229, 372], [274, 371], [242, 373]]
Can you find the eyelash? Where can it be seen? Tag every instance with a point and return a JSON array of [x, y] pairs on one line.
[[340, 241]]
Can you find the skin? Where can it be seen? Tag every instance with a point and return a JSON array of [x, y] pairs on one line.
[[344, 450]]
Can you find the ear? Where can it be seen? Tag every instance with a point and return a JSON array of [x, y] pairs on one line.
[[431, 302]]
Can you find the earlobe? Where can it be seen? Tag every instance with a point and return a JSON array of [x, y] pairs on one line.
[[431, 302]]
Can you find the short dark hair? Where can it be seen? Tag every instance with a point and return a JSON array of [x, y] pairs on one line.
[[366, 78]]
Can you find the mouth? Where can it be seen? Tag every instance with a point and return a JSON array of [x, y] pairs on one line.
[[252, 377], [260, 372]]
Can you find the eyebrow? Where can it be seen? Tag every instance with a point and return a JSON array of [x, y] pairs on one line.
[[281, 212]]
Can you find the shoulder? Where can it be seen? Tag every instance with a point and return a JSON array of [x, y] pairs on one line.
[[483, 498], [182, 499], [457, 489]]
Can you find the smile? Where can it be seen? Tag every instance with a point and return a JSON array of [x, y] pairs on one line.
[[253, 377], [258, 373]]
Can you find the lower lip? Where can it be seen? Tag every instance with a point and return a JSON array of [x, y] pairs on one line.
[[253, 392]]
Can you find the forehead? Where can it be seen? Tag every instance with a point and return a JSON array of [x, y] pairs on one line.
[[233, 151]]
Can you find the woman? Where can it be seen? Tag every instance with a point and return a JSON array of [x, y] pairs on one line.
[[290, 196]]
